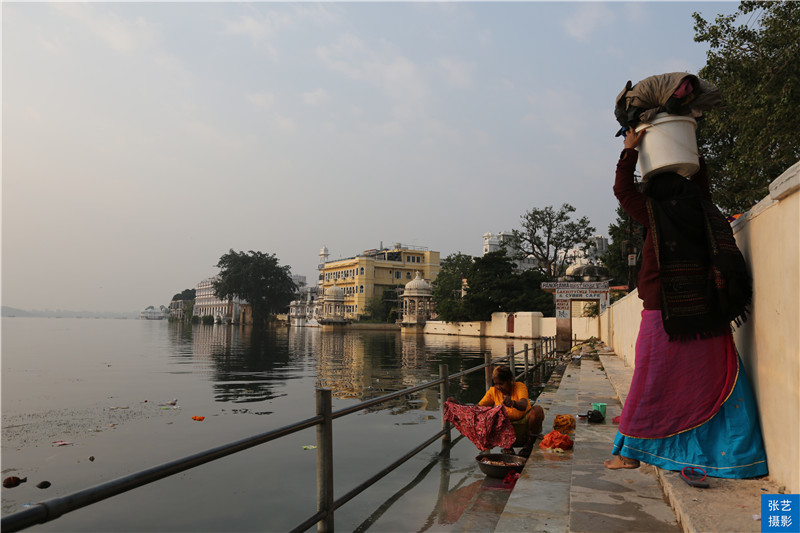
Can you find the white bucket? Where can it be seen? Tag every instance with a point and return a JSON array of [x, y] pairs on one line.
[[670, 145]]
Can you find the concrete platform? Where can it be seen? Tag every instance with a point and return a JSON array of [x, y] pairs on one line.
[[574, 492]]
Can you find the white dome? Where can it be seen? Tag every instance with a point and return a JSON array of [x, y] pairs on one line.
[[418, 285], [334, 292]]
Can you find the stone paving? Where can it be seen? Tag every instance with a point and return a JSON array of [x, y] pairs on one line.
[[574, 492]]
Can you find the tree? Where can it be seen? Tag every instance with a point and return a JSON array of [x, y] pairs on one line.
[[258, 279], [491, 285], [627, 237], [753, 136], [529, 295], [186, 294], [548, 234], [448, 285], [382, 308]]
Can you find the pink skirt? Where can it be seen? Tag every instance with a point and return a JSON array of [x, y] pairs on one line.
[[676, 385]]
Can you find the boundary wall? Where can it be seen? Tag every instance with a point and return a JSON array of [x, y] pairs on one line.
[[526, 325]]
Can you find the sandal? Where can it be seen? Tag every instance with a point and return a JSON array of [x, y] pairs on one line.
[[695, 477]]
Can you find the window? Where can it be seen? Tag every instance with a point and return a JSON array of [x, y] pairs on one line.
[[408, 275], [362, 271], [361, 289]]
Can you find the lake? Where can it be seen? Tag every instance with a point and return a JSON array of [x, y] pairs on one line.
[[103, 386]]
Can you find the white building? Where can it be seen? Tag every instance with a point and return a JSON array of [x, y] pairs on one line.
[[206, 303], [580, 256], [495, 243]]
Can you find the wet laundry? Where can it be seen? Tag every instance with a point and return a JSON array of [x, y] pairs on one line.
[[486, 427]]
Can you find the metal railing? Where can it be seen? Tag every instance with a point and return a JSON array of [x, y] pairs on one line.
[[48, 510]]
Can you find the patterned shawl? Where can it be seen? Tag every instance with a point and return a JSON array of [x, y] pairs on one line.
[[704, 279]]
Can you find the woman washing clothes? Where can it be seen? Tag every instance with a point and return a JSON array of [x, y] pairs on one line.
[[513, 395], [690, 403]]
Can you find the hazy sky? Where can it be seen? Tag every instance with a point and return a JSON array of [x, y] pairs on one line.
[[141, 142]]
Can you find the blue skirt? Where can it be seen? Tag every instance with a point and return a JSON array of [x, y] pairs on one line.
[[729, 445]]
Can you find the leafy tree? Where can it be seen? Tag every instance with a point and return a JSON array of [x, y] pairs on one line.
[[186, 294], [529, 295], [448, 285], [548, 234], [491, 285], [257, 278], [753, 136], [627, 237], [382, 308]]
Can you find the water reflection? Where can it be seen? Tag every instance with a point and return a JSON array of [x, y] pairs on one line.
[[356, 365]]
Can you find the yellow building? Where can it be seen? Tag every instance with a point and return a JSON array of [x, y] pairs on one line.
[[367, 275]]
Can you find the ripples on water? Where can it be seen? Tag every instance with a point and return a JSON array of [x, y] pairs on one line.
[[100, 384]]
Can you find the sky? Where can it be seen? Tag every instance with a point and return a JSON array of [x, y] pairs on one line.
[[142, 141]]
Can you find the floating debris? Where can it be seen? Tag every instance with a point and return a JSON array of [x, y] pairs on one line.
[[91, 457], [310, 447], [62, 443], [12, 481], [198, 418], [43, 485]]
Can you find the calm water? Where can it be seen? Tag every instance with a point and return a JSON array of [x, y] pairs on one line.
[[100, 384]]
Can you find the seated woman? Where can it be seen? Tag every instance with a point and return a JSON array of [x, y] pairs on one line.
[[526, 419]]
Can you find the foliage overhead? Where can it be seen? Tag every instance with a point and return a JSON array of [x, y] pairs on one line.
[[752, 138], [258, 279], [548, 234]]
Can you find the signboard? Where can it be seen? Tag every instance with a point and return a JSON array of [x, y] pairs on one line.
[[580, 294], [592, 285], [631, 260], [562, 309]]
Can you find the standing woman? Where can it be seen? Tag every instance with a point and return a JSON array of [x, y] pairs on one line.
[[690, 403]]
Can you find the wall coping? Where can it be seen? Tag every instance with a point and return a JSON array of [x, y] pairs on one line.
[[784, 185]]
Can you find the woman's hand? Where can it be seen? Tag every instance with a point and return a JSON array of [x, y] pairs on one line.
[[633, 138], [508, 402]]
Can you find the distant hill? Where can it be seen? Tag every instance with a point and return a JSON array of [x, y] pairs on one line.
[[60, 313]]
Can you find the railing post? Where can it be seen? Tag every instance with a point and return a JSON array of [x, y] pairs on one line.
[[325, 461], [511, 365], [526, 361], [487, 371], [443, 392]]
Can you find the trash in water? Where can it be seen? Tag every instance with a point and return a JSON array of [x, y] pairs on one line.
[[91, 457], [118, 407], [310, 447], [12, 481], [62, 443], [42, 484], [757, 517], [173, 401], [198, 418]]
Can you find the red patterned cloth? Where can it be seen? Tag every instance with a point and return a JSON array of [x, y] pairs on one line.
[[486, 427]]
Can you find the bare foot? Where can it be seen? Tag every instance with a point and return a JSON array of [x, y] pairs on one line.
[[620, 462]]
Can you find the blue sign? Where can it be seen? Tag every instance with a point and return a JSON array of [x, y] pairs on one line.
[[780, 512]]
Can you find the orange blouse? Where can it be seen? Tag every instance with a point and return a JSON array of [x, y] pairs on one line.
[[518, 392]]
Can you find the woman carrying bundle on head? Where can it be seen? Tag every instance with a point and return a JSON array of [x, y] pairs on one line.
[[690, 403]]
